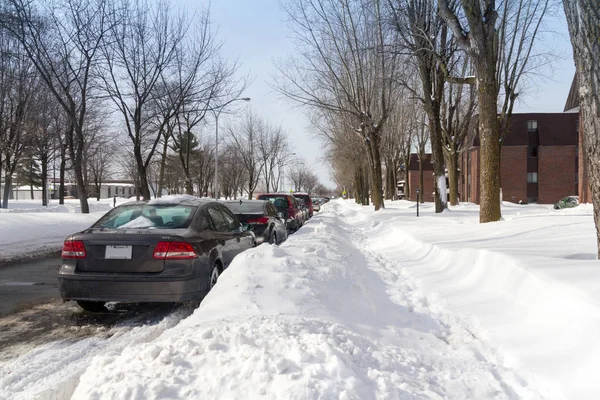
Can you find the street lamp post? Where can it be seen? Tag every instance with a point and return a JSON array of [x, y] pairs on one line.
[[418, 201], [220, 108]]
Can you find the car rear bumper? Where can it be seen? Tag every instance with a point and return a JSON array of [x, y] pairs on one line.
[[95, 288]]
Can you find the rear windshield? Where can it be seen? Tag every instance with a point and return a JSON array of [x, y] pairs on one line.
[[278, 201], [245, 208], [144, 216], [304, 197]]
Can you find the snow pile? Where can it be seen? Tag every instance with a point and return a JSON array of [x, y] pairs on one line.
[[28, 230], [317, 317]]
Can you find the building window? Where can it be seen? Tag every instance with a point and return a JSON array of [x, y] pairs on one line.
[[532, 126], [532, 152], [532, 177]]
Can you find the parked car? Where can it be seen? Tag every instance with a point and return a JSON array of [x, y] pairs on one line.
[[567, 202], [307, 200], [288, 206], [166, 250], [268, 225], [303, 210], [317, 204]]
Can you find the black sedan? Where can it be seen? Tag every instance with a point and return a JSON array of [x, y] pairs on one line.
[[166, 250], [269, 225]]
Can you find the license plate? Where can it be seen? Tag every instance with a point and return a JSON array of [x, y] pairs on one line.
[[118, 252]]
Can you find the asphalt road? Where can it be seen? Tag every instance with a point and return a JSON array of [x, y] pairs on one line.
[[28, 283]]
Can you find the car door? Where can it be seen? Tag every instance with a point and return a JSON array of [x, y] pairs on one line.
[[243, 240], [277, 221], [225, 239]]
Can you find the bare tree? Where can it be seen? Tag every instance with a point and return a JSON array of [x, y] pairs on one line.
[[422, 32], [499, 40], [273, 149], [243, 139], [62, 41], [342, 67], [140, 46], [582, 18], [17, 85]]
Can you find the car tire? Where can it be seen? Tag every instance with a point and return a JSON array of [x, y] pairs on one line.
[[215, 272], [92, 306]]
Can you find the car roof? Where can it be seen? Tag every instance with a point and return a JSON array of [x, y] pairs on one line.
[[244, 201], [184, 200]]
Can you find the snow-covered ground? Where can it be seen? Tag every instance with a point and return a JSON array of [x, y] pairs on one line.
[[27, 229], [359, 305]]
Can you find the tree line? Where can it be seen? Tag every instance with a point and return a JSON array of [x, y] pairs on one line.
[[93, 87]]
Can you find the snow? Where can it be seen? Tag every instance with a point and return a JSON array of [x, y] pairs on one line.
[[172, 199], [366, 305], [27, 229]]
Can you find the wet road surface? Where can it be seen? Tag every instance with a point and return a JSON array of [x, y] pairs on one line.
[[32, 312], [28, 283]]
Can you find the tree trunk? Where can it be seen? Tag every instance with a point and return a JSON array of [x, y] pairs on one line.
[[489, 134], [375, 173], [452, 163], [7, 188], [76, 151], [63, 167], [44, 161], [142, 178], [163, 161], [582, 18]]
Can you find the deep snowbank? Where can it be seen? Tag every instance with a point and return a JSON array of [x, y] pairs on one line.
[[529, 283], [315, 318]]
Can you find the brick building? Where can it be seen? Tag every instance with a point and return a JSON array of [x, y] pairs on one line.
[[572, 106], [539, 160], [413, 179]]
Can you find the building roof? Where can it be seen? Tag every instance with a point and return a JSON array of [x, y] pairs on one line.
[[573, 97], [555, 129]]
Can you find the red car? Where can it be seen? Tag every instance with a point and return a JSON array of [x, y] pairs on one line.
[[288, 206], [307, 201]]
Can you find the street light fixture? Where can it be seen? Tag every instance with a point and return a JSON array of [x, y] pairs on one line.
[[220, 108]]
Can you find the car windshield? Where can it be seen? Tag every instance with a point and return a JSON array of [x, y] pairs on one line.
[[246, 208], [145, 216]]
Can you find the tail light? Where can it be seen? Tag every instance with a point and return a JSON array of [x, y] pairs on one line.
[[261, 220], [174, 251], [73, 249]]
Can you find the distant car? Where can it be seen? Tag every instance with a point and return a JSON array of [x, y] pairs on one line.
[[567, 202], [171, 249], [289, 208], [268, 225], [317, 204], [307, 200]]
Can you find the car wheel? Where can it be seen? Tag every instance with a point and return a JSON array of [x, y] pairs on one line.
[[214, 277], [92, 306]]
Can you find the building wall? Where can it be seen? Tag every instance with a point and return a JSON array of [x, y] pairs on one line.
[[583, 191], [557, 176], [413, 183], [469, 186], [513, 173]]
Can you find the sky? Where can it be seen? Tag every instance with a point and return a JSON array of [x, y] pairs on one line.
[[255, 33]]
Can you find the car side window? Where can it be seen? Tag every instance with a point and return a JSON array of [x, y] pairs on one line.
[[218, 220], [271, 210], [204, 223], [233, 225]]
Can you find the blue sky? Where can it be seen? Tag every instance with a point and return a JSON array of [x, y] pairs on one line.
[[255, 33]]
